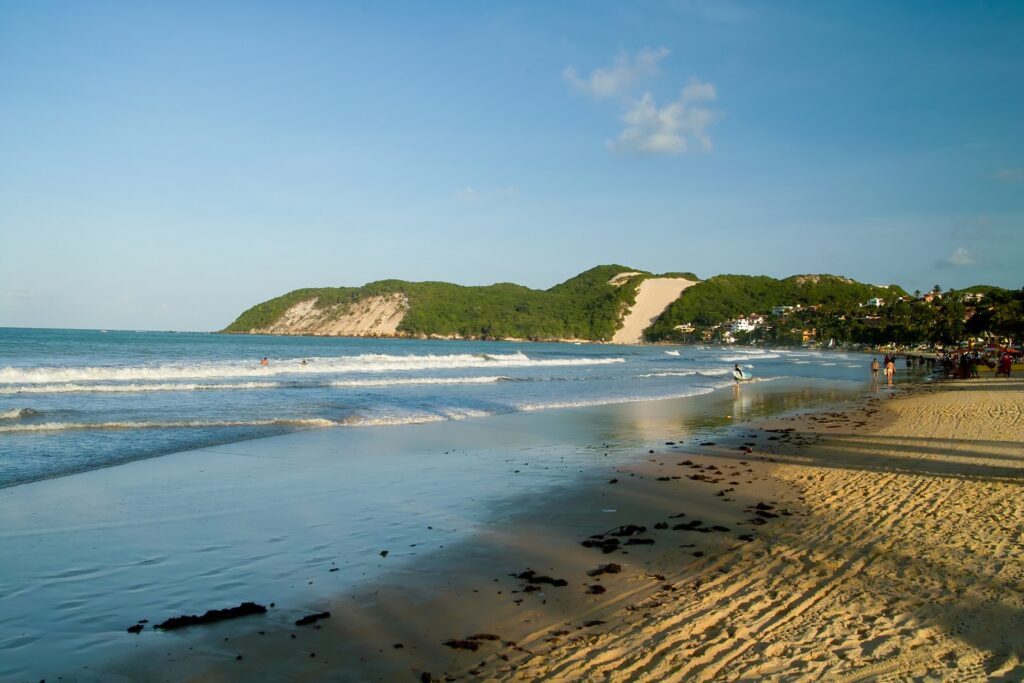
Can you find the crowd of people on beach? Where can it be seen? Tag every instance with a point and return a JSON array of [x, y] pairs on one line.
[[955, 364]]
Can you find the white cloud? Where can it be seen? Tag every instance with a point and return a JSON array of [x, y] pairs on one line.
[[1010, 175], [961, 256], [467, 194], [476, 194], [617, 79], [676, 128]]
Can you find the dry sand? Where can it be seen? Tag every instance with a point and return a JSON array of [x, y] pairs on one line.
[[891, 549], [652, 298]]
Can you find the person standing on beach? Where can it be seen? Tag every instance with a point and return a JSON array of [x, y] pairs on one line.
[[890, 369], [874, 369]]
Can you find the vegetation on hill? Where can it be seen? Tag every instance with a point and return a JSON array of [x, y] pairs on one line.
[[588, 307], [726, 297], [583, 307]]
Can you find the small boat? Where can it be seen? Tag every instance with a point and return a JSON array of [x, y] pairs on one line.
[[672, 353]]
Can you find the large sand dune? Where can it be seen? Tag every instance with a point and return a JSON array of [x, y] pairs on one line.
[[653, 296]]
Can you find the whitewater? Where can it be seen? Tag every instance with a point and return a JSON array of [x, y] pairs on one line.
[[73, 400]]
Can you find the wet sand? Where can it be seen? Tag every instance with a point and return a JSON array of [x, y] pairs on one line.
[[882, 540]]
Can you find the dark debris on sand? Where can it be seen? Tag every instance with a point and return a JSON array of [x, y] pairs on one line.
[[211, 616], [312, 618]]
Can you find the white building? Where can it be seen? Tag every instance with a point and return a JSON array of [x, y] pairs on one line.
[[746, 324], [875, 301]]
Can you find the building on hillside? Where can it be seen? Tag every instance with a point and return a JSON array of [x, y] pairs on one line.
[[973, 297], [874, 301], [782, 310], [747, 324], [931, 296]]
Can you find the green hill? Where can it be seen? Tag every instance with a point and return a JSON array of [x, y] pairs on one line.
[[726, 297], [584, 307], [587, 306]]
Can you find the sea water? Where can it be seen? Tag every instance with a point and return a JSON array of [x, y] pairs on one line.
[[74, 400], [400, 445]]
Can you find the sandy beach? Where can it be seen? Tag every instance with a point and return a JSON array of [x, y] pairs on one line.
[[879, 542], [875, 538]]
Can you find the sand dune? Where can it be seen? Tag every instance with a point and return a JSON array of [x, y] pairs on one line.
[[652, 297], [375, 316]]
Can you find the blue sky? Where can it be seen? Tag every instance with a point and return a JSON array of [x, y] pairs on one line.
[[167, 165]]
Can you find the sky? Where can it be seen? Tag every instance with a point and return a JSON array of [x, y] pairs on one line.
[[168, 165]]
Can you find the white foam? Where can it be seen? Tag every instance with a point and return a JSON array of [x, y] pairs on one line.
[[190, 424], [761, 356], [679, 373], [17, 413], [694, 391], [75, 387], [365, 363], [395, 382]]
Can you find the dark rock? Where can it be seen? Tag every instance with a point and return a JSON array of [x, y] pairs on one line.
[[640, 541], [211, 616], [312, 618], [613, 481], [383, 553], [661, 525], [530, 576], [592, 622], [627, 530], [470, 645], [596, 589], [137, 628], [610, 568]]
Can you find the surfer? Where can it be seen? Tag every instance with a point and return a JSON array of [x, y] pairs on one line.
[[264, 362], [737, 374]]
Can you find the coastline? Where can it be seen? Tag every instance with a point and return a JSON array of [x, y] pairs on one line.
[[853, 583]]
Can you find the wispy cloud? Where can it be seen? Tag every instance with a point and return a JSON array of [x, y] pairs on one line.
[[961, 257], [476, 194], [676, 128], [1010, 175], [618, 79]]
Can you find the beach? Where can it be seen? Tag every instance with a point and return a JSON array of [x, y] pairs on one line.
[[857, 537]]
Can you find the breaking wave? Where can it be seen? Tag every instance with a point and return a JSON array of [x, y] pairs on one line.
[[366, 363], [188, 424], [18, 413], [75, 387]]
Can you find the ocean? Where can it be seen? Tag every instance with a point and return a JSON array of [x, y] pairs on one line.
[[75, 400], [400, 445]]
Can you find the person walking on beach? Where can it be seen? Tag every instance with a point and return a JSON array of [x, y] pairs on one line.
[[874, 369], [890, 369], [1005, 364]]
